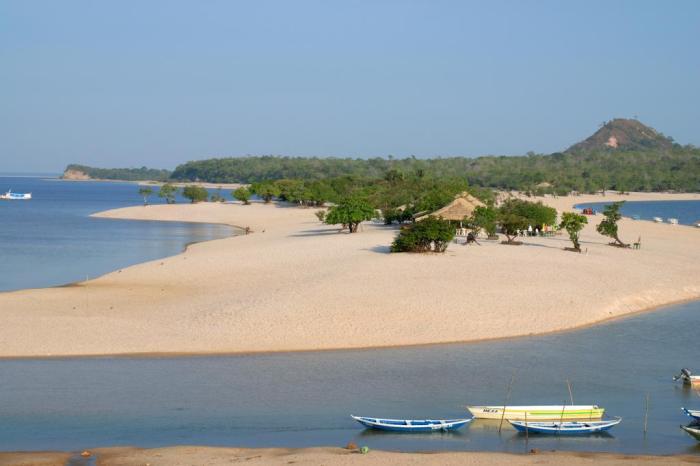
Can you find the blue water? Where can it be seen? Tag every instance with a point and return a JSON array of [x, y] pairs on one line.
[[51, 240], [687, 212], [305, 399]]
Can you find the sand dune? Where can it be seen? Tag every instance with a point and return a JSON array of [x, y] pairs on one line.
[[295, 284]]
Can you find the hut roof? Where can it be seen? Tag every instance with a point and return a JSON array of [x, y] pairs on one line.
[[463, 206]]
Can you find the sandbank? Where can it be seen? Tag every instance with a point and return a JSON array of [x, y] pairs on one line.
[[295, 284], [190, 455]]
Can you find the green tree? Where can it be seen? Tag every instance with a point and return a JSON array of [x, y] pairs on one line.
[[242, 194], [608, 226], [145, 192], [573, 224], [195, 193], [168, 192], [426, 235], [484, 218], [320, 215], [267, 190], [350, 212]]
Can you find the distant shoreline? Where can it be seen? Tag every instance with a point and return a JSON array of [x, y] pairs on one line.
[[178, 184]]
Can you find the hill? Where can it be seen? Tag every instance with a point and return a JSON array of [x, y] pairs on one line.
[[83, 172], [621, 134]]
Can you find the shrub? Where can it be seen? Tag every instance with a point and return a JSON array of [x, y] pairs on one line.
[[195, 193], [430, 234]]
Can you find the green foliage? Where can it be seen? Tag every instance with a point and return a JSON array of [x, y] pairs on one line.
[[242, 194], [517, 214], [168, 192], [266, 190], [217, 197], [573, 224], [484, 218], [195, 193], [127, 174], [320, 215], [608, 226], [145, 192], [430, 234], [350, 213]]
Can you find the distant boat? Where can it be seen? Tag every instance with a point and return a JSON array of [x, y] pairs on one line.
[[694, 413], [693, 431], [411, 425], [10, 196], [673, 221], [636, 217], [658, 220], [697, 224], [534, 413], [565, 428], [687, 377]]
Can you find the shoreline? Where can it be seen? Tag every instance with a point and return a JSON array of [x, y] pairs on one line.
[[292, 237], [332, 456]]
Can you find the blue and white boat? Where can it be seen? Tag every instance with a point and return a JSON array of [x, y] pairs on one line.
[[10, 196], [411, 425], [693, 413], [566, 427]]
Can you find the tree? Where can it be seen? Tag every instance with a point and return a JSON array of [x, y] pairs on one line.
[[145, 192], [168, 192], [266, 190], [195, 193], [484, 218], [608, 226], [431, 234], [350, 212], [573, 223], [242, 194], [512, 218], [320, 215]]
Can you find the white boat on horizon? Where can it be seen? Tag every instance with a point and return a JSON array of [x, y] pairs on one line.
[[673, 221], [534, 413], [10, 196], [658, 220]]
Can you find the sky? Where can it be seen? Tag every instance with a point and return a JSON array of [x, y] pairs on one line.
[[157, 83]]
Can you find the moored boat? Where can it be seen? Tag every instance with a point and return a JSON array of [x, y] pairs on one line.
[[687, 377], [673, 221], [694, 413], [693, 431], [411, 425], [566, 427], [537, 413], [10, 196], [658, 220]]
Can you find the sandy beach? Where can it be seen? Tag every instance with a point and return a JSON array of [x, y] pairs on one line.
[[211, 456], [295, 284]]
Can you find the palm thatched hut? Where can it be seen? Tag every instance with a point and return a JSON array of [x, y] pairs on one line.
[[462, 207]]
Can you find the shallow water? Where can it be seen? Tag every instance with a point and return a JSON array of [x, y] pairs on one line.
[[305, 399], [687, 212], [51, 239]]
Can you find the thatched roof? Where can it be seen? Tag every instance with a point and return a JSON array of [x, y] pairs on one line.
[[463, 206]]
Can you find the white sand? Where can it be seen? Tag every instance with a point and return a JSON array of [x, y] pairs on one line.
[[210, 456], [295, 284]]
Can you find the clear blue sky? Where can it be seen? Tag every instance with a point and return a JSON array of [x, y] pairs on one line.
[[157, 83]]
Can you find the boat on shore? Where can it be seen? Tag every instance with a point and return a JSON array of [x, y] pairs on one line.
[[693, 431], [673, 221], [10, 196], [693, 413], [537, 413], [411, 425], [565, 428], [658, 220]]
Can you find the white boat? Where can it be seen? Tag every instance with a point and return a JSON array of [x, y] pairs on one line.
[[693, 413], [658, 220], [10, 196], [565, 428], [673, 221], [687, 377], [535, 413], [693, 431], [411, 425]]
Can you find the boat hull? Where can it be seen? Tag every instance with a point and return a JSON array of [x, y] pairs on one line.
[[693, 413], [564, 428], [412, 425], [692, 431], [537, 413]]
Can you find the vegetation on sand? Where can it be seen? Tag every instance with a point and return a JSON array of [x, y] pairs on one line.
[[350, 213], [573, 224], [168, 192], [431, 234], [608, 226], [145, 192], [195, 193], [242, 194]]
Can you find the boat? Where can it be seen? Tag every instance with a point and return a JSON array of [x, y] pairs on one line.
[[693, 431], [673, 221], [10, 196], [411, 425], [537, 413], [565, 427], [687, 377], [636, 217], [693, 413], [697, 224], [658, 220]]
